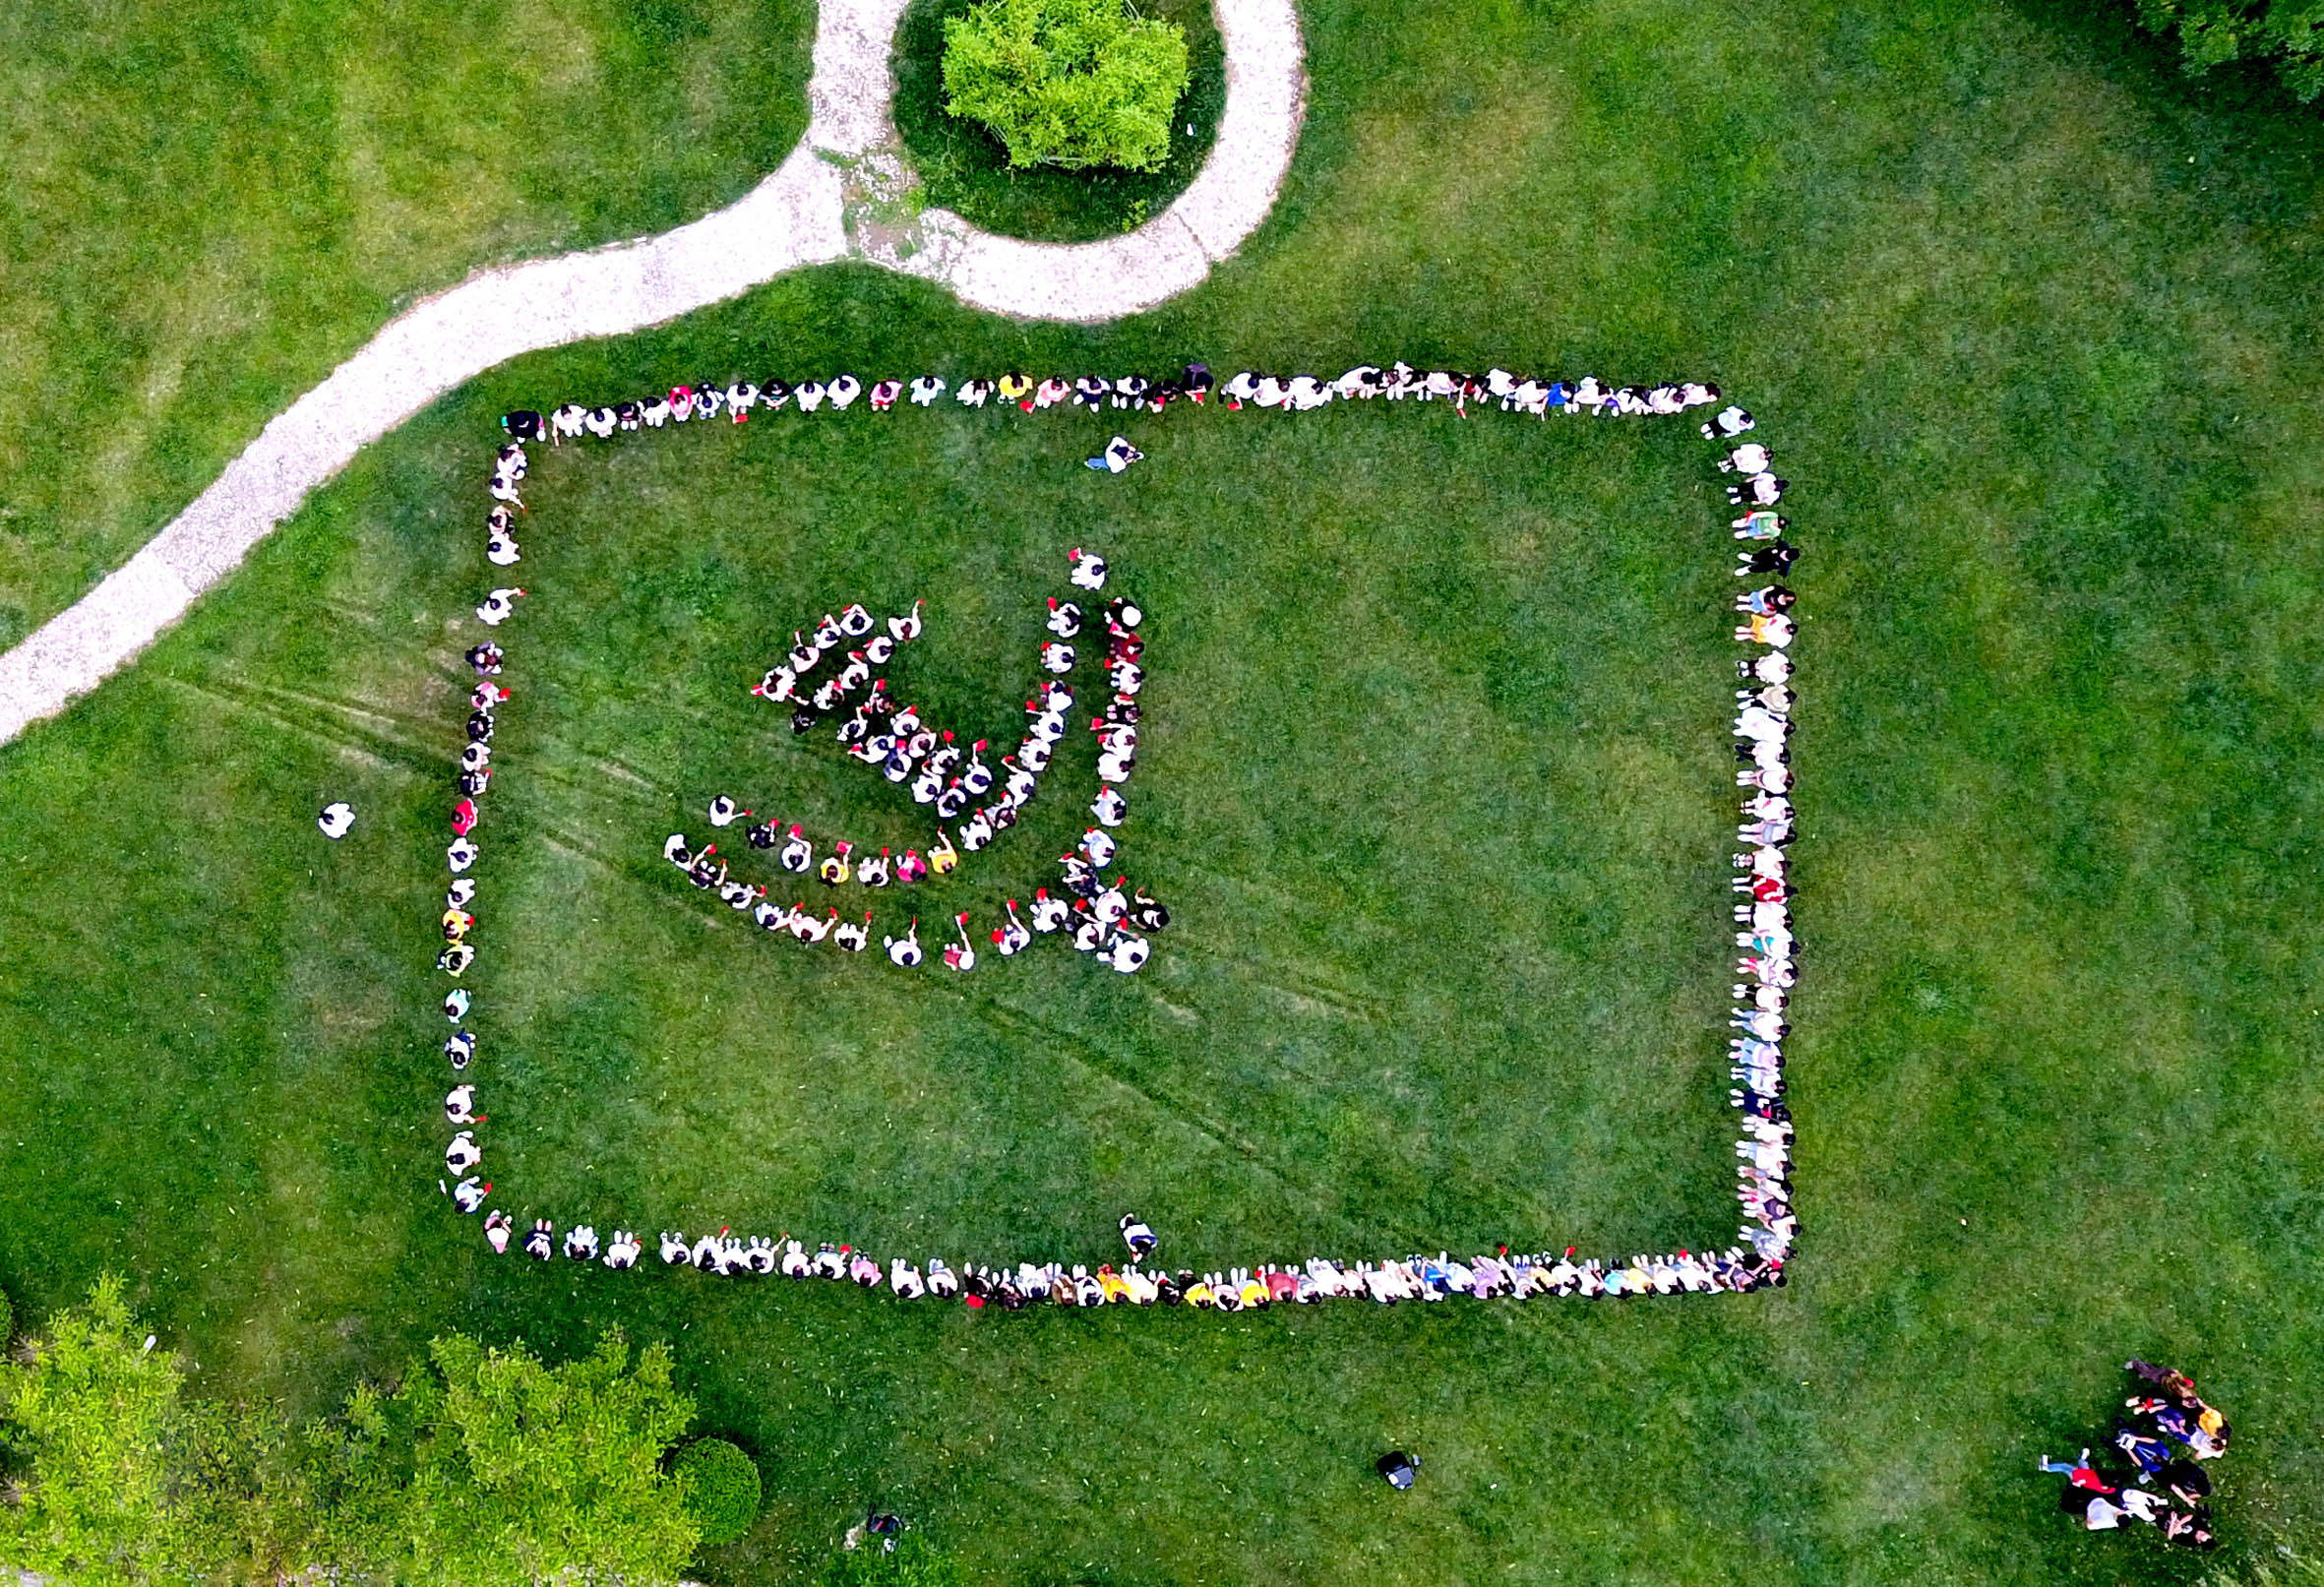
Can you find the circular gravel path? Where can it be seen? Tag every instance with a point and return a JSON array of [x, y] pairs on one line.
[[822, 204]]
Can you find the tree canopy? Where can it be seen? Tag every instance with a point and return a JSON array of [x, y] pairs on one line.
[[1068, 83], [2211, 33], [484, 1468]]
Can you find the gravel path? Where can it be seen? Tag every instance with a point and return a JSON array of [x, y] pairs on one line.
[[810, 211]]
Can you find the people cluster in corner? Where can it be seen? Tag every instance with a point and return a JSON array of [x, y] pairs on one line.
[[2165, 1434], [982, 801]]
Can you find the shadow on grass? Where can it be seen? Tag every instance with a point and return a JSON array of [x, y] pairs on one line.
[[2251, 137]]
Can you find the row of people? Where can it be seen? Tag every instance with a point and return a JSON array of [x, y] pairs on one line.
[[1011, 1288], [784, 680], [908, 751], [1767, 967], [1097, 922], [738, 399], [1097, 912], [1099, 916], [471, 782]]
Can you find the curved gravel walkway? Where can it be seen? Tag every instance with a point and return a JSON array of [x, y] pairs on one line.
[[819, 206]]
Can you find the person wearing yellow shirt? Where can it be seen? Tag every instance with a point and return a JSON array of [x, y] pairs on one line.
[[942, 856]]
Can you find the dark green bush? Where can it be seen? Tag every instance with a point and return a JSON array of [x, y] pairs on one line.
[[721, 1485], [2212, 33], [1068, 83]]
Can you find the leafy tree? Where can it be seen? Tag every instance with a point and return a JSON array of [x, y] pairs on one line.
[[124, 1479], [99, 1420], [521, 1473], [2289, 33], [484, 1469], [721, 1485], [1070, 83]]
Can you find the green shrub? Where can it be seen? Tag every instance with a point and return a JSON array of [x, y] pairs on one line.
[[1070, 82], [2212, 33], [522, 1472], [7, 1320], [721, 1485]]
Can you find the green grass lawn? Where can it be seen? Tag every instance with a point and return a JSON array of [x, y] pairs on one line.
[[1433, 774], [209, 205], [2032, 326]]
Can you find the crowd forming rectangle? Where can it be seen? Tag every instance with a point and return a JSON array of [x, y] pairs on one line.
[[1763, 624]]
